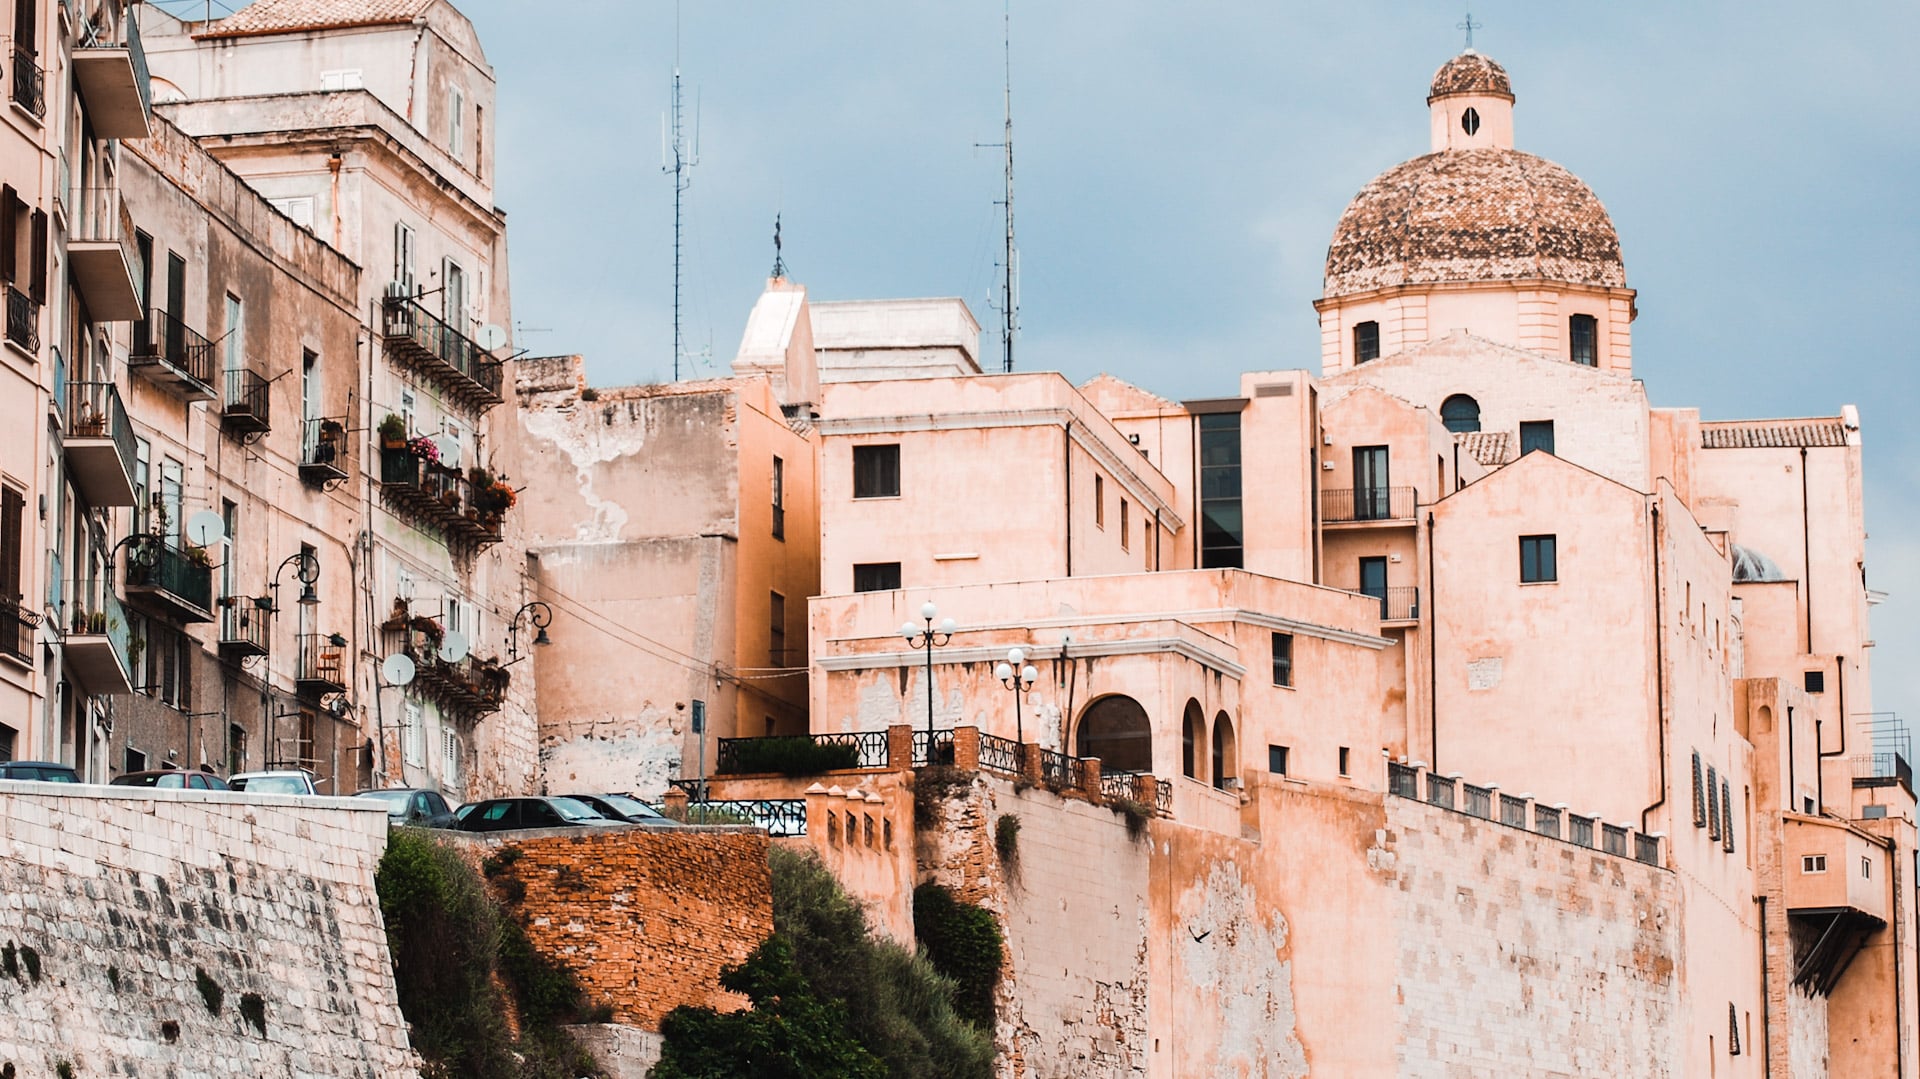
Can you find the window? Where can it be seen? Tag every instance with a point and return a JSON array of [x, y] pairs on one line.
[[13, 506], [876, 576], [1193, 735], [347, 78], [1346, 760], [479, 138], [172, 494], [236, 748], [456, 121], [1733, 1031], [876, 471], [1866, 866], [309, 396], [1220, 523], [304, 749], [777, 629], [1536, 435], [779, 499], [1470, 121], [449, 757], [1583, 340], [1283, 659], [7, 735], [1806, 805], [1726, 815], [1124, 539], [1366, 342], [1815, 682], [1713, 806], [297, 207], [453, 294], [403, 258], [235, 338], [1813, 863], [133, 760], [1371, 484], [1460, 414], [1699, 795], [1373, 581], [1277, 760], [416, 724], [1537, 560], [1099, 502]]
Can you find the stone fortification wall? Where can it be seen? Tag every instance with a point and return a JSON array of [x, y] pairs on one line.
[[123, 912], [644, 917], [1519, 954]]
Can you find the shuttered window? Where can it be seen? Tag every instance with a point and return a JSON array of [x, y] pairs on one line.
[[1699, 796]]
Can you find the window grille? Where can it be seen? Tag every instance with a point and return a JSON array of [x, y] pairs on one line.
[[1699, 796], [1726, 815], [1713, 806]]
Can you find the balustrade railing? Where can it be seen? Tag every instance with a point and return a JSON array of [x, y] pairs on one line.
[[999, 754], [1479, 801], [781, 817], [932, 748], [29, 83], [801, 754], [1344, 504], [1552, 821]]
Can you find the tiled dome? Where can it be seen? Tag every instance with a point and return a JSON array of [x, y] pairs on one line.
[[1473, 215], [1470, 73]]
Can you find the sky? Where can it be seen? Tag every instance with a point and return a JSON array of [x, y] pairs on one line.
[[1180, 170]]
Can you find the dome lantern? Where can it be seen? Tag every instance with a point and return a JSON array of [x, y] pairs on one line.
[[1471, 104]]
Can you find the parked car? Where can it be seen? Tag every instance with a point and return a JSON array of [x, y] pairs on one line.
[[287, 781], [413, 805], [172, 779], [42, 771], [502, 814], [623, 807]]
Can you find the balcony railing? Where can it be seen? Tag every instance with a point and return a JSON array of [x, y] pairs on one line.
[[1451, 792], [244, 627], [23, 320], [1059, 770], [111, 74], [322, 665], [801, 754], [999, 754], [96, 636], [423, 341], [932, 747], [182, 580], [324, 452], [98, 440], [174, 354], [469, 687], [244, 406], [781, 817], [29, 83], [437, 497], [17, 626], [1397, 604], [1363, 504], [98, 257], [1882, 769]]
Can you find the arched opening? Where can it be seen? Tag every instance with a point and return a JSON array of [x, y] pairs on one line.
[[1193, 740], [1115, 729], [1765, 719], [1225, 753], [1460, 413]]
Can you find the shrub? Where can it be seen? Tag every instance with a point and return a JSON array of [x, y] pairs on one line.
[[1006, 841], [788, 1032], [1136, 814], [789, 756], [962, 941], [932, 786]]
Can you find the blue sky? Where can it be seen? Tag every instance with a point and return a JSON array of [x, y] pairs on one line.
[[1181, 168]]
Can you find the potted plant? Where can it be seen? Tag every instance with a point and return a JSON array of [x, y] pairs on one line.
[[326, 445], [97, 622], [422, 447], [199, 557], [393, 431]]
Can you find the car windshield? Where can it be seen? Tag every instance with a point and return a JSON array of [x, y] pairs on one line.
[[572, 809], [631, 806], [396, 800], [272, 785], [50, 775]]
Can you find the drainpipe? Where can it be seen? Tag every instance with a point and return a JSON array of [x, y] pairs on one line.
[[1793, 787], [1806, 548], [1433, 653], [1766, 996], [1840, 687], [1156, 539], [1066, 458], [1659, 669], [1893, 888]]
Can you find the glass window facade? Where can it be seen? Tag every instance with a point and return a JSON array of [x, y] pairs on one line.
[[1222, 538]]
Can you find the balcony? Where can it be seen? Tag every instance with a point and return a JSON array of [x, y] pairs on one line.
[[111, 76], [23, 321], [1886, 768], [29, 84], [244, 626], [1401, 605], [323, 453], [243, 408], [440, 498], [322, 666], [175, 580], [1367, 505], [1837, 881], [171, 355], [17, 627], [96, 638], [417, 339], [468, 688], [98, 443], [98, 259]]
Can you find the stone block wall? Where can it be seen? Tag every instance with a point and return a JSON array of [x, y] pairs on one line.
[[645, 917], [125, 910]]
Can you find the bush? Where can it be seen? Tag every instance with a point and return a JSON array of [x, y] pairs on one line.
[[1006, 842], [962, 941], [789, 756], [788, 1032]]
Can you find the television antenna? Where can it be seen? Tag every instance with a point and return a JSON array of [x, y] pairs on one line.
[[1009, 304], [678, 156]]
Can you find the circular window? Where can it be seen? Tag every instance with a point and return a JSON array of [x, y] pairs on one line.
[[1470, 121]]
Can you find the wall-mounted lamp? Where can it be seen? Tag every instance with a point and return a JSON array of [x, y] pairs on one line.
[[540, 615]]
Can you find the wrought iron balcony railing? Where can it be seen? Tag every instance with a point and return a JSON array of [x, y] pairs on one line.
[[1397, 604], [438, 497], [324, 450], [23, 320], [244, 406], [110, 71], [169, 351], [1365, 504], [97, 639], [322, 665], [17, 626], [245, 625], [29, 83], [98, 440], [182, 579], [422, 340]]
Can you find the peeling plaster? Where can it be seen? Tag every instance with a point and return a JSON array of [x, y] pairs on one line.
[[597, 445], [636, 753], [1239, 984]]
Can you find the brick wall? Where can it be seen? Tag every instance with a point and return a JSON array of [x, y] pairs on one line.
[[645, 917], [123, 895]]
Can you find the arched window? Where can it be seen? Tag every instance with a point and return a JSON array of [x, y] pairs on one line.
[[1366, 342], [1193, 740], [1583, 340], [1225, 753], [1460, 413], [1115, 729]]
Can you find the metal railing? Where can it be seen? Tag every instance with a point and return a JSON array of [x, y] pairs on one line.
[[1121, 785], [1613, 839], [1402, 781], [1060, 770], [437, 496], [94, 410], [1485, 803], [1440, 791], [247, 397], [323, 444], [92, 610], [999, 754], [934, 747], [183, 574], [1646, 848], [428, 337], [778, 753], [136, 54], [1882, 769], [781, 817], [1397, 604], [1479, 801], [1513, 811], [1163, 798], [100, 217], [1546, 820], [23, 320], [1579, 830], [29, 83], [17, 626], [322, 660], [1340, 504], [244, 625], [171, 342]]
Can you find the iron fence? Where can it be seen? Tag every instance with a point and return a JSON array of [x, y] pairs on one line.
[[1580, 830], [1513, 811], [801, 754], [1546, 820], [1163, 798], [29, 82], [999, 754], [23, 320], [184, 574], [781, 817], [1646, 849], [247, 398], [1340, 504], [1439, 791], [1121, 785], [932, 748], [17, 625], [1613, 839], [174, 344], [1402, 781], [429, 342], [1479, 801]]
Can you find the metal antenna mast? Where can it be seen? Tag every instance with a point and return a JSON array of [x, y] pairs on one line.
[[677, 157], [1010, 284]]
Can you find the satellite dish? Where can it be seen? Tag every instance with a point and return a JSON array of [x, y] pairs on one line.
[[492, 337], [454, 647], [205, 528], [397, 670]]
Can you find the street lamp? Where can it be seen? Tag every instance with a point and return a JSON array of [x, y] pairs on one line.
[[1019, 679], [929, 639], [307, 571], [537, 613]]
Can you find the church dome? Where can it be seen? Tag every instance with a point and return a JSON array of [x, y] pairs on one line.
[[1470, 73]]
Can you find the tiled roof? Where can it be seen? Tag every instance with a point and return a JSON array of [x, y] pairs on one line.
[[1473, 215], [1770, 434], [1470, 73], [1490, 448], [295, 16]]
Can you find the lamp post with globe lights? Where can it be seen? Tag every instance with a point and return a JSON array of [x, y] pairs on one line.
[[927, 640], [1017, 675]]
